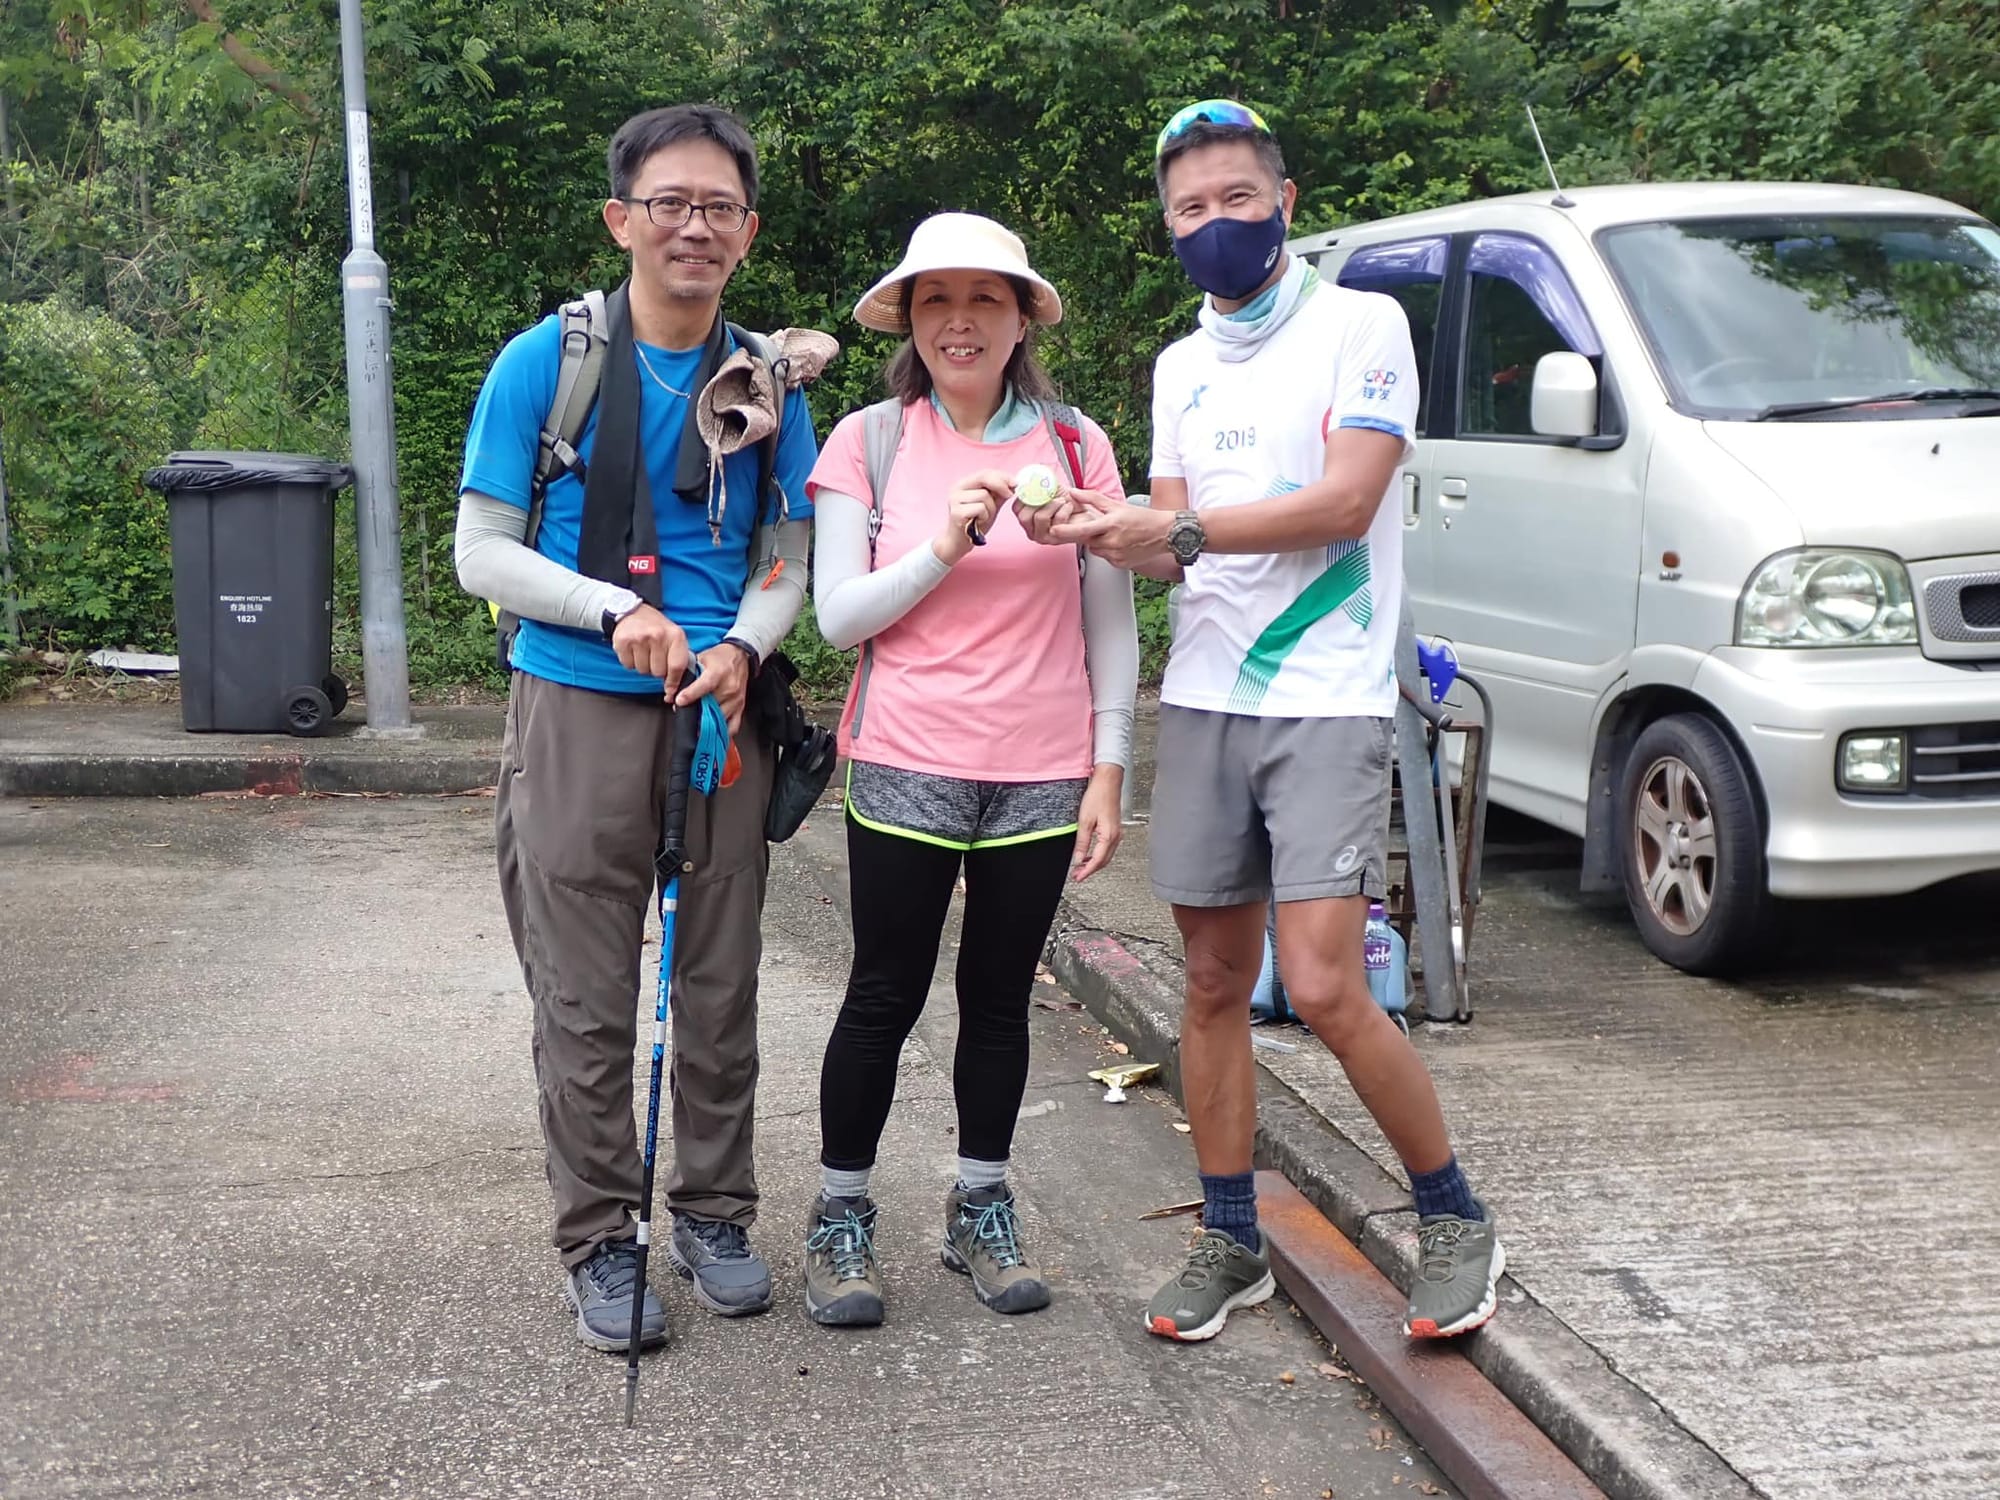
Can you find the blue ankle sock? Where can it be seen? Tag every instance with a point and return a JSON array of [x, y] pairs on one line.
[[1444, 1191], [1230, 1206]]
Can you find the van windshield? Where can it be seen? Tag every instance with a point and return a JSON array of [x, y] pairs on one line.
[[1769, 316]]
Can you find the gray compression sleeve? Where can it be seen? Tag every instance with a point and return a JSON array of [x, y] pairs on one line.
[[1111, 654], [773, 595], [494, 562], [851, 602]]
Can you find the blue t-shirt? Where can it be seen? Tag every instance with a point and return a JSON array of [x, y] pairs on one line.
[[701, 582]]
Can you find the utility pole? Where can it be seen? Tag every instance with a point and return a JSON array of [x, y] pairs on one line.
[[10, 616], [371, 411]]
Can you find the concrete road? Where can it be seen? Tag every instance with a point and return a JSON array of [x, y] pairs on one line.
[[274, 1219], [1767, 1203]]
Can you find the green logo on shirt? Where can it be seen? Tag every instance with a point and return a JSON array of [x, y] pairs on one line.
[[1343, 586]]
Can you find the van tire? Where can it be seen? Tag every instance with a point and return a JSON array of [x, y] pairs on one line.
[[1691, 846]]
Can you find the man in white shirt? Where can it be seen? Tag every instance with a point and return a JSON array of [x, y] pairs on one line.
[[1279, 431]]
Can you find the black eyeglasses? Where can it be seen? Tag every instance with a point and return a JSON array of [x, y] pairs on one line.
[[671, 212]]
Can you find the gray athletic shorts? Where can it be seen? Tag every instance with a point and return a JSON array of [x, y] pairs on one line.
[[960, 814], [1247, 807]]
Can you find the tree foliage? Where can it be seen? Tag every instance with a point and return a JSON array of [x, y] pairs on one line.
[[176, 174]]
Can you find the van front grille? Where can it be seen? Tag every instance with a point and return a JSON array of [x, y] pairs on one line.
[[1955, 761]]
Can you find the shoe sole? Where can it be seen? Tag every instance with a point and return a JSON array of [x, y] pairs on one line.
[[1479, 1317], [850, 1310], [720, 1309], [1250, 1296], [609, 1345], [1037, 1292]]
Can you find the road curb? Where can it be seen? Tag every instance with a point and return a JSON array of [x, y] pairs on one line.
[[407, 773], [1622, 1438]]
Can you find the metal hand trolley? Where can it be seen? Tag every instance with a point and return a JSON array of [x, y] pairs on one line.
[[1434, 868]]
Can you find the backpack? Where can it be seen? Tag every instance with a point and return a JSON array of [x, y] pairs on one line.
[[882, 435], [586, 334]]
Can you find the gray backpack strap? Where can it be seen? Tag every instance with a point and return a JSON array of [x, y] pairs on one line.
[[586, 333], [882, 431], [1065, 425]]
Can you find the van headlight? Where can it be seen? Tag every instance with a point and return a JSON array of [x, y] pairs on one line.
[[1820, 596]]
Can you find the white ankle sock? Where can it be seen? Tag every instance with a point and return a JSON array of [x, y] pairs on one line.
[[836, 1184], [981, 1174]]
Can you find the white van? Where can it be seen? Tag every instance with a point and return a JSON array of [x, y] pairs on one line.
[[1707, 495]]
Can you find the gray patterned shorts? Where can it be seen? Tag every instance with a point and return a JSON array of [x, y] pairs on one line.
[[959, 814]]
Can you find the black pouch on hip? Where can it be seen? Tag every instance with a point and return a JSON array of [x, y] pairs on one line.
[[805, 752]]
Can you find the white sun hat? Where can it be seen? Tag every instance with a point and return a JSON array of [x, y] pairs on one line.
[[956, 242]]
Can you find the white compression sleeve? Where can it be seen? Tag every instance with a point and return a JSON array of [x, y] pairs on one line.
[[773, 596], [851, 602], [495, 562], [1111, 655]]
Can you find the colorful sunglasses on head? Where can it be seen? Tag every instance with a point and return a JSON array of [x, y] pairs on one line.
[[1212, 112]]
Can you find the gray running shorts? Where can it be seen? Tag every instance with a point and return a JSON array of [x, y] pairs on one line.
[[1247, 807], [960, 814]]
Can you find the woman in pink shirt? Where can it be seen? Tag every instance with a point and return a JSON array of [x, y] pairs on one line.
[[988, 728]]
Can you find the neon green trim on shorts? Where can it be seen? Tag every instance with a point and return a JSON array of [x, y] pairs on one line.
[[847, 798]]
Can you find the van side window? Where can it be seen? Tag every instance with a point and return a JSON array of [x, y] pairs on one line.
[[1411, 271], [1520, 307]]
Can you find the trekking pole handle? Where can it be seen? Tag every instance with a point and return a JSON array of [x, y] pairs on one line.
[[680, 771]]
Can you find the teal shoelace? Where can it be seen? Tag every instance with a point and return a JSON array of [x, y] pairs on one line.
[[847, 1243], [998, 1228]]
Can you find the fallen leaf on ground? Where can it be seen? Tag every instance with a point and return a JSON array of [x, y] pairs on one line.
[[1192, 1206], [1121, 1049], [1381, 1437], [1286, 1377]]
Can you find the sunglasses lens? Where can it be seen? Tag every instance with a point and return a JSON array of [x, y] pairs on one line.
[[1212, 112]]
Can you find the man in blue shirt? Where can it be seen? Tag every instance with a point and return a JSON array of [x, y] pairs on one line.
[[635, 573]]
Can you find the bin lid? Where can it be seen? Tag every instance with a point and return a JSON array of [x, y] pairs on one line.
[[206, 469]]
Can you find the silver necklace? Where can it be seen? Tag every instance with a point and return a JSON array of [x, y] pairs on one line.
[[669, 389]]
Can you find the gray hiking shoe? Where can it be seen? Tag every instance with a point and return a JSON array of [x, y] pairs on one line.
[[600, 1291], [1456, 1289], [982, 1239], [843, 1283], [1219, 1277], [729, 1277]]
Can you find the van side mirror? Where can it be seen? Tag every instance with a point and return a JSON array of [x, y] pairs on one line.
[[1564, 404]]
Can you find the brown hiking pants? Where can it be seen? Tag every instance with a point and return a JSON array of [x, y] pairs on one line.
[[582, 786]]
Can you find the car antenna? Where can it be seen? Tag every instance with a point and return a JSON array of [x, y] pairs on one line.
[[1562, 199]]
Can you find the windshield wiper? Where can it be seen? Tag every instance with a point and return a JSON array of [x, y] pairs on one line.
[[1786, 409]]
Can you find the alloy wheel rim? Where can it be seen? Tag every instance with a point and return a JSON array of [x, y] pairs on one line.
[[1674, 846]]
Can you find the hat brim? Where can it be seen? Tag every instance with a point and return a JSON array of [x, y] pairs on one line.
[[882, 307]]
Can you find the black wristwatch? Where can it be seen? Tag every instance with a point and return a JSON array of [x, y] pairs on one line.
[[1186, 538], [609, 623], [756, 661]]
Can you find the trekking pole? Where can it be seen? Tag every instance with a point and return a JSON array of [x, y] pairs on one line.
[[672, 855]]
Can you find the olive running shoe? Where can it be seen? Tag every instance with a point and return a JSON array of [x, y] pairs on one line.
[[1459, 1262], [1219, 1277]]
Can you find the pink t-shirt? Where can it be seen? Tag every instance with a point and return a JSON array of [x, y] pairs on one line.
[[984, 678]]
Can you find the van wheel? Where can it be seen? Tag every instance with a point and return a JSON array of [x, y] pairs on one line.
[[1693, 846]]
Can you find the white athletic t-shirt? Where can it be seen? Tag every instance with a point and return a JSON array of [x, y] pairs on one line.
[[1290, 634]]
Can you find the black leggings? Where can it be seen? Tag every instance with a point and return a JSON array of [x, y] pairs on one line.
[[901, 889]]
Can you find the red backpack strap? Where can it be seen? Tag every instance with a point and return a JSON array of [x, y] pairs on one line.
[[1066, 427]]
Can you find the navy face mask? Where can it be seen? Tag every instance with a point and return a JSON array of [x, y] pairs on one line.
[[1231, 258]]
